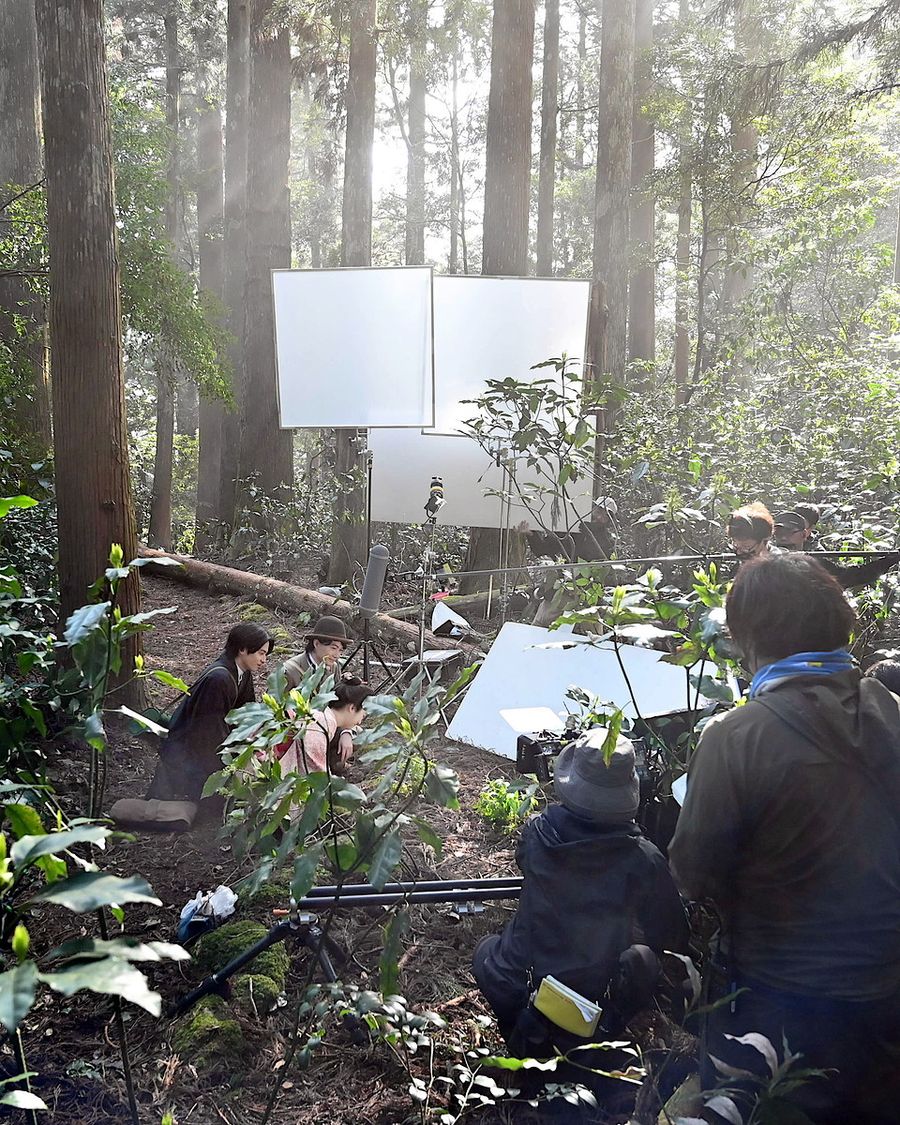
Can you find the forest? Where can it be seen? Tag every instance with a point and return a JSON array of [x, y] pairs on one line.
[[718, 184]]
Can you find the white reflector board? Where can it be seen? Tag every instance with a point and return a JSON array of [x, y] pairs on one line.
[[354, 347], [516, 674], [404, 461], [499, 328]]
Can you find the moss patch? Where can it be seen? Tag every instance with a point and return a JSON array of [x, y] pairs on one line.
[[252, 611], [274, 893], [255, 993], [216, 949], [208, 1037]]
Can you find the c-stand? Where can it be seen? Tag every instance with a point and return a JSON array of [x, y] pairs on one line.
[[303, 923]]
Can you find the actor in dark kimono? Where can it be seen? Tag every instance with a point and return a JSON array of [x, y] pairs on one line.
[[190, 752]]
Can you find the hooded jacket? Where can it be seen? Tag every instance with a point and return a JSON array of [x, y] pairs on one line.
[[791, 826], [589, 891]]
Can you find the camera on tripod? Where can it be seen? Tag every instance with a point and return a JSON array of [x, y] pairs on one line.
[[535, 752]]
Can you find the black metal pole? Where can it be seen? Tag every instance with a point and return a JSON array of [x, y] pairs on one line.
[[408, 887], [412, 897]]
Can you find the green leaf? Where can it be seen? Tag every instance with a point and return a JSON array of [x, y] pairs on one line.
[[169, 680], [22, 1099], [111, 976], [129, 949], [428, 836], [29, 848], [392, 943], [94, 731], [144, 721], [713, 689], [20, 942], [7, 503], [163, 560], [24, 821], [387, 855], [304, 875], [442, 787], [17, 988], [84, 621], [90, 889]]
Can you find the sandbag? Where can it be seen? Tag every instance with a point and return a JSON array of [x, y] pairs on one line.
[[153, 815]]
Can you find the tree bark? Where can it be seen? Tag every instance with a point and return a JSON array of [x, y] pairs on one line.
[[160, 531], [642, 291], [287, 597], [348, 537], [415, 164], [683, 245], [549, 113], [455, 174], [506, 206], [237, 91], [20, 166], [614, 178], [93, 491], [266, 459], [210, 222]]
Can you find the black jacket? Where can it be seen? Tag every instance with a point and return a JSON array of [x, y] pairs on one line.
[[794, 834], [862, 574], [589, 892], [190, 751]]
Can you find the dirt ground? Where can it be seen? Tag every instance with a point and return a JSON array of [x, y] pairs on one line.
[[71, 1043]]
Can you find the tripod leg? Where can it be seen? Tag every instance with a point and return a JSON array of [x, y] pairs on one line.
[[315, 940]]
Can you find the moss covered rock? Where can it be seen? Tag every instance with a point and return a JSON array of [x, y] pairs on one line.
[[216, 949], [273, 893], [255, 994], [208, 1037]]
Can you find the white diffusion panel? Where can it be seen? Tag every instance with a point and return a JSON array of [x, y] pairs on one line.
[[516, 675], [354, 347], [498, 328], [404, 461]]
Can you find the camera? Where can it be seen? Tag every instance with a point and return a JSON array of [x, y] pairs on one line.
[[534, 752]]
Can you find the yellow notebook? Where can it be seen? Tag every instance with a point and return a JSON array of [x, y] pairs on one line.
[[567, 1008]]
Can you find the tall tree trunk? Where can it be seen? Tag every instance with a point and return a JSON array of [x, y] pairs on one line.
[[348, 536], [642, 291], [266, 450], [93, 491], [237, 90], [455, 176], [614, 179], [549, 112], [210, 222], [160, 531], [20, 166], [415, 164], [683, 244], [506, 202], [579, 87], [187, 406]]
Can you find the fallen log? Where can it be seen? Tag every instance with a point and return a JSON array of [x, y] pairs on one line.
[[287, 597]]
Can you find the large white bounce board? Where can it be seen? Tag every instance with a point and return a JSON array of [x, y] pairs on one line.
[[517, 674], [354, 347], [499, 328]]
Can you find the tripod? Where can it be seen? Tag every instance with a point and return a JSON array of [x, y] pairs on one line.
[[369, 647]]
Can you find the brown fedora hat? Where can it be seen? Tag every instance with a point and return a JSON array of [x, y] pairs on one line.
[[329, 629]]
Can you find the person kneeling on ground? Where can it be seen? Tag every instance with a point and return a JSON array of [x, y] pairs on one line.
[[327, 741], [190, 752], [593, 886], [324, 645], [791, 826]]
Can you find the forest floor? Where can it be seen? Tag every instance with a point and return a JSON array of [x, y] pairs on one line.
[[71, 1043]]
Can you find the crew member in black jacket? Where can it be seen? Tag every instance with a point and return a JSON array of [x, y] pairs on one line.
[[593, 887], [793, 532], [190, 752]]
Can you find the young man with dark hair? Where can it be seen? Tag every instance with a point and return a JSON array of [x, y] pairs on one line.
[[791, 826], [793, 532], [593, 888], [190, 752], [325, 643]]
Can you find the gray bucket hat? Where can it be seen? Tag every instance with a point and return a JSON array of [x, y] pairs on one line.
[[593, 790]]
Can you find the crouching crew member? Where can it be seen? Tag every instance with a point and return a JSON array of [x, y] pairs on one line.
[[793, 532], [190, 752], [791, 826], [750, 531], [593, 888], [324, 645]]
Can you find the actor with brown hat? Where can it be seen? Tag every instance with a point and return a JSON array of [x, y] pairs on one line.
[[324, 644], [592, 887]]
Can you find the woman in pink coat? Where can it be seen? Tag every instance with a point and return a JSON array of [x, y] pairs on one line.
[[327, 741]]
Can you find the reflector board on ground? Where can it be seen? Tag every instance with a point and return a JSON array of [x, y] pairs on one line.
[[516, 674], [354, 347]]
